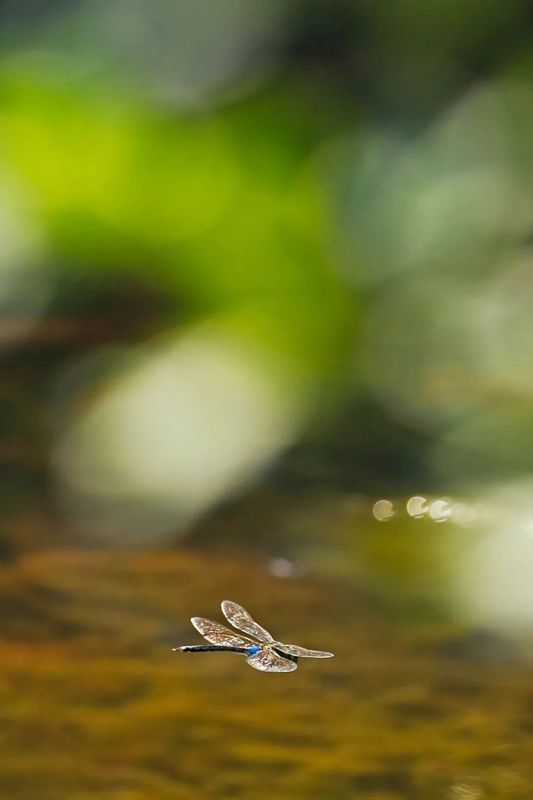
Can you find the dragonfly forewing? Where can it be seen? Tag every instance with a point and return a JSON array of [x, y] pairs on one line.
[[267, 661], [241, 619], [303, 652], [216, 633]]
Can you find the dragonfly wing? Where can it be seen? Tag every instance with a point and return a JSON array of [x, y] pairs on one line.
[[267, 661], [216, 633], [240, 618], [294, 650]]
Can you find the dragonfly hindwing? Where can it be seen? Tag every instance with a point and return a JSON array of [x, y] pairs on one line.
[[267, 661]]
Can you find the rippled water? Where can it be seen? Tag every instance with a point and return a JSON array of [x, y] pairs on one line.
[[95, 704]]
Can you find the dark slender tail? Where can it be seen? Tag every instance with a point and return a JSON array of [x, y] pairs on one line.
[[205, 648]]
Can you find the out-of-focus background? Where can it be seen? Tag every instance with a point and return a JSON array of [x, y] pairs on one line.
[[266, 293]]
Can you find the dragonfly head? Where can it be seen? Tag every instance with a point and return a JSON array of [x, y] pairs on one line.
[[253, 650]]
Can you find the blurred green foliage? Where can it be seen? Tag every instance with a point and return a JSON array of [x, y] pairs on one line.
[[224, 209], [335, 186]]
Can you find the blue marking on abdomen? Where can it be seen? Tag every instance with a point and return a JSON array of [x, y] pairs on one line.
[[253, 650]]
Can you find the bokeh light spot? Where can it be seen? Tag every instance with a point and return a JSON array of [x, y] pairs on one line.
[[383, 510]]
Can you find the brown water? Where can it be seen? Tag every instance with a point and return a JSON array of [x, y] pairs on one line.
[[95, 705]]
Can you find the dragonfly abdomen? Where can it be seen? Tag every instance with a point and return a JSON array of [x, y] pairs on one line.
[[205, 648]]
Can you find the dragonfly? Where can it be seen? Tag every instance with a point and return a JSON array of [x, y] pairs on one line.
[[263, 651]]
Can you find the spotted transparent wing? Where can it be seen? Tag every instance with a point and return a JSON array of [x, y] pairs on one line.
[[267, 661], [240, 618], [216, 633], [303, 652]]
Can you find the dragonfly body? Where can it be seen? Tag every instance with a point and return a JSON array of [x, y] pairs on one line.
[[206, 648], [262, 651]]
